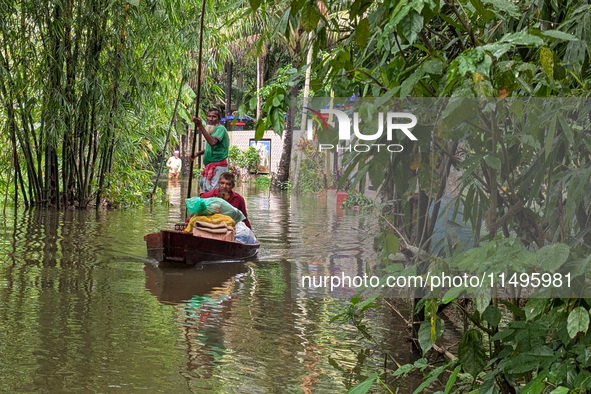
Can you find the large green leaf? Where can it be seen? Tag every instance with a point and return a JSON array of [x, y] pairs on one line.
[[560, 390], [559, 35], [471, 352], [310, 16], [492, 315], [391, 243], [452, 379], [523, 38], [260, 129], [493, 162], [412, 26], [551, 257], [362, 33], [428, 334], [578, 321], [358, 8], [281, 27], [536, 385], [535, 307], [364, 386]]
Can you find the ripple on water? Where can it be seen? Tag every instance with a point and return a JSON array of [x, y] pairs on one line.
[[81, 309]]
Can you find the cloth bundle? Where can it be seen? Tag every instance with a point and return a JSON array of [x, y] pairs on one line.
[[216, 226]]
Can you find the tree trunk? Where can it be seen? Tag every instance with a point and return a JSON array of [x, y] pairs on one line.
[[285, 163], [296, 177], [228, 93], [259, 85]]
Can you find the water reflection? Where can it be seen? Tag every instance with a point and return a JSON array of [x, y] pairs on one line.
[[175, 283], [81, 308]]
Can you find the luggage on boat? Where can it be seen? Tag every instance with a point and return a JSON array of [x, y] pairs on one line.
[[216, 226], [244, 234], [212, 205]]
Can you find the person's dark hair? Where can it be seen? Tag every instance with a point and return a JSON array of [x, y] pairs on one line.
[[229, 177], [217, 112]]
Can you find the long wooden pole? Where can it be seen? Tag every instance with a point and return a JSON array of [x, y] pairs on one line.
[[197, 132]]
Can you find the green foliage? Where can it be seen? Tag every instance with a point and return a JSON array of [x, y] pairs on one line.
[[312, 178], [263, 181], [247, 160], [252, 159], [356, 199], [287, 186], [99, 90], [128, 188], [236, 157], [525, 164]]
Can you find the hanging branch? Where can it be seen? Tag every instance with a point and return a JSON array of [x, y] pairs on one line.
[[197, 132]]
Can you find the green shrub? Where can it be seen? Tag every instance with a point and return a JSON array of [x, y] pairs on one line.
[[263, 181], [311, 176], [355, 199]]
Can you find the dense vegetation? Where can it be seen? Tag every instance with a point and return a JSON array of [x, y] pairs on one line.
[[87, 91], [525, 169]]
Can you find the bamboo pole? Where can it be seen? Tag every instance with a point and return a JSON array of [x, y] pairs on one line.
[[197, 132]]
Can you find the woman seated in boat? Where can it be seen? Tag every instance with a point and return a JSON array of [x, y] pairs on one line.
[[225, 190]]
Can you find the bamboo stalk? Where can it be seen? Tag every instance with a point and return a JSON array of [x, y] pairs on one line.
[[197, 133], [7, 187], [176, 105]]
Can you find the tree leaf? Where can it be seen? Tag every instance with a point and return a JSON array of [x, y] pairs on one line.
[[578, 321], [411, 26], [547, 61], [493, 161], [535, 307], [260, 129], [433, 66], [364, 386], [535, 386], [492, 315], [523, 38], [452, 380], [362, 33], [471, 352], [551, 257], [391, 243], [560, 390], [559, 35], [425, 336], [505, 6], [409, 83], [281, 27], [255, 4], [309, 17]]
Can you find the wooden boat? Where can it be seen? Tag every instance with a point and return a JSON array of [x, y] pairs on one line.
[[174, 245]]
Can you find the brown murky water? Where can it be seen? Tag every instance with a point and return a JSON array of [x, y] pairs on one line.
[[83, 309]]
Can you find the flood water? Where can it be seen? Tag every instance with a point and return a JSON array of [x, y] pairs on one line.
[[83, 310]]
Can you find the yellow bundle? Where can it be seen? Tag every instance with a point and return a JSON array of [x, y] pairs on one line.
[[214, 219]]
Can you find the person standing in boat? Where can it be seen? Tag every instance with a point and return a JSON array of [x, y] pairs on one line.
[[225, 191], [216, 149]]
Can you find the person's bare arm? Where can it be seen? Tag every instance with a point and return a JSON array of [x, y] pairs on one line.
[[202, 151], [211, 140]]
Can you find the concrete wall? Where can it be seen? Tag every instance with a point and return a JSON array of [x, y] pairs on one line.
[[240, 139]]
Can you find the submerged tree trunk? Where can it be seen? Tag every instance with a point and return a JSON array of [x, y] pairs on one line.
[[284, 165]]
